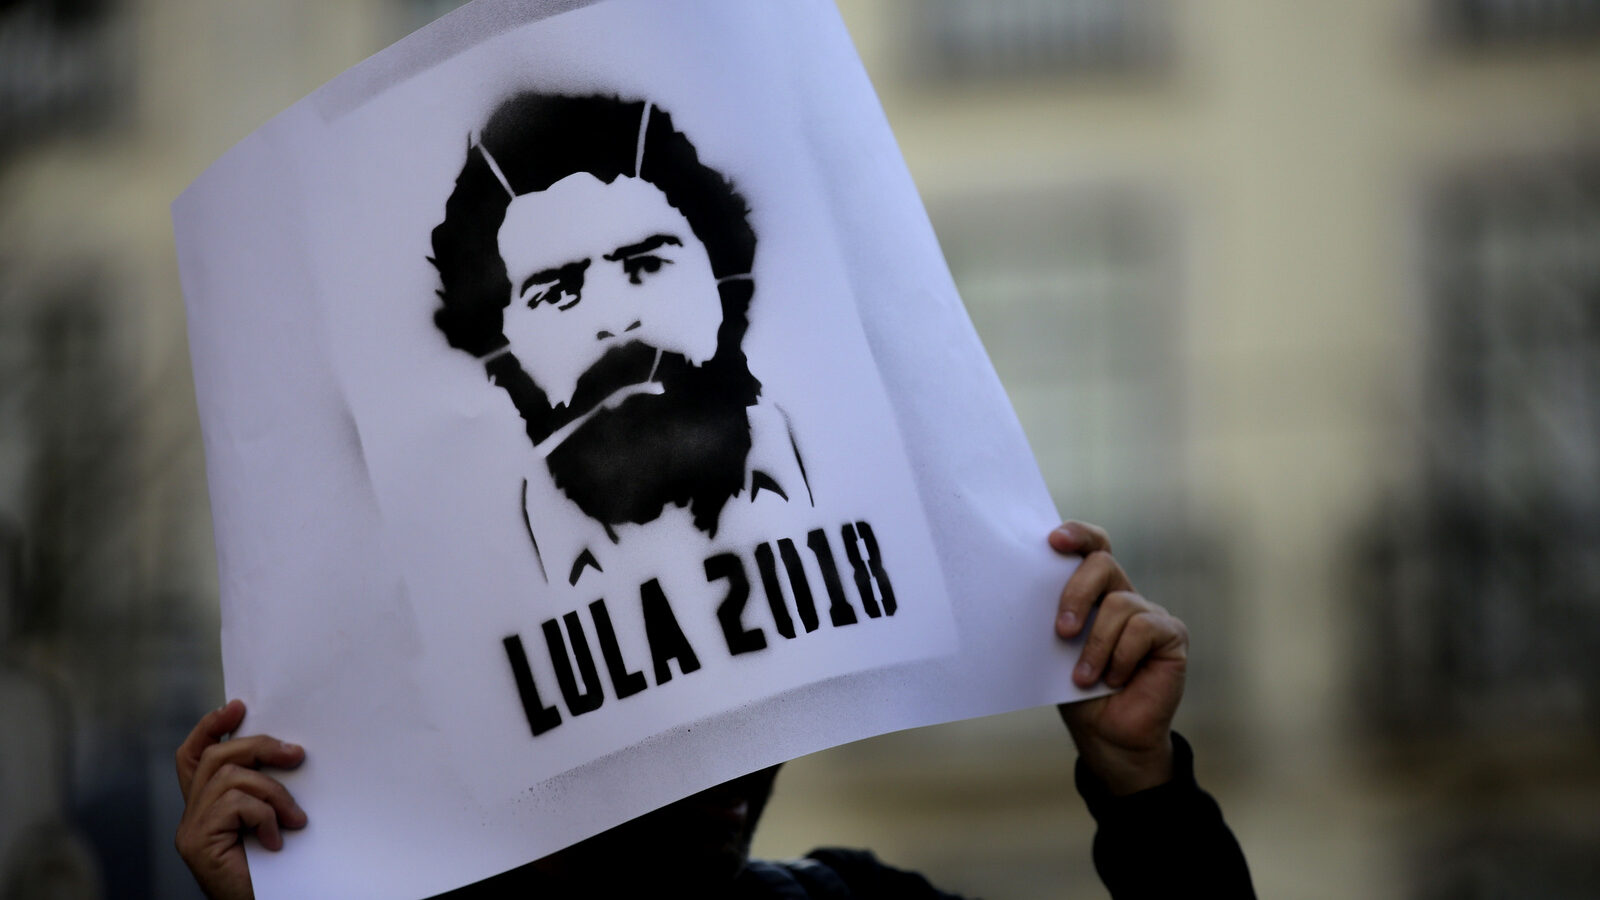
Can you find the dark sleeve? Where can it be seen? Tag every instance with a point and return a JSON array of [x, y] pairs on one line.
[[858, 875], [1168, 841]]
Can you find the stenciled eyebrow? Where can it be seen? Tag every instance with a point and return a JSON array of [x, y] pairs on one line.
[[572, 271], [644, 246]]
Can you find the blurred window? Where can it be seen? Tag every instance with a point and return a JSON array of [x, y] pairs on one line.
[[1516, 21], [1076, 294], [77, 486], [1009, 37], [1489, 572], [1075, 297], [61, 62]]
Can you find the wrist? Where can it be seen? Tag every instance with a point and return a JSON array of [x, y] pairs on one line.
[[1125, 770]]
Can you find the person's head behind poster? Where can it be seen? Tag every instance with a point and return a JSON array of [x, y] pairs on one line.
[[588, 226]]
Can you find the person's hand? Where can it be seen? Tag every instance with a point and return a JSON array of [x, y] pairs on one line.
[[1135, 645], [225, 795]]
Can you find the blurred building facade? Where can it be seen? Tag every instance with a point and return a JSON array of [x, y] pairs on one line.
[[1301, 301]]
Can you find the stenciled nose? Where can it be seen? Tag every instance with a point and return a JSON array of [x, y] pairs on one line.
[[603, 335]]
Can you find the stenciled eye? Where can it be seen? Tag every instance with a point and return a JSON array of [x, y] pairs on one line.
[[556, 294], [644, 264], [639, 260], [562, 287]]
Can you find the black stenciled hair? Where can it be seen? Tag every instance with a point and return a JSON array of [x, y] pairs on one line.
[[538, 139]]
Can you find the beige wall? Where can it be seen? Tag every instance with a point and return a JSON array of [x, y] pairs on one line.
[[1295, 141], [1290, 144]]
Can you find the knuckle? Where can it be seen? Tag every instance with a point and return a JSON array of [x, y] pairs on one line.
[[1124, 642], [234, 800], [1135, 638], [1094, 532], [1119, 602], [1143, 624], [211, 754], [1101, 537], [1131, 651], [1096, 647]]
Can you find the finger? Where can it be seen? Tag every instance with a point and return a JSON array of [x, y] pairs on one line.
[[1080, 538], [238, 809], [1145, 634], [1098, 575], [212, 728], [258, 784], [1115, 611], [251, 752]]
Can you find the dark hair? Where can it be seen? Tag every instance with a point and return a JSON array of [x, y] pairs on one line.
[[538, 139]]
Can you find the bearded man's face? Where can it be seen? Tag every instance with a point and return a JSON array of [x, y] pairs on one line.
[[594, 266], [614, 311]]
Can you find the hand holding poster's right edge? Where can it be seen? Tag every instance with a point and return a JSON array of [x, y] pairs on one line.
[[1125, 739]]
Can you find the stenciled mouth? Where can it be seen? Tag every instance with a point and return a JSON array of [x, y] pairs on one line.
[[611, 401]]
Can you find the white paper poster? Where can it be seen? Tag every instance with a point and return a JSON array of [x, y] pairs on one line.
[[589, 419]]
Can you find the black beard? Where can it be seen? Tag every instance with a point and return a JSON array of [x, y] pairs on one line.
[[686, 446]]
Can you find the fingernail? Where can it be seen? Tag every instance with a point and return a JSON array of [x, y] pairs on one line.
[[1085, 671], [288, 747], [1069, 620]]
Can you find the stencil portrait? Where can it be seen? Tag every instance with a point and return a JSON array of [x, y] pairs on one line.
[[603, 276]]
